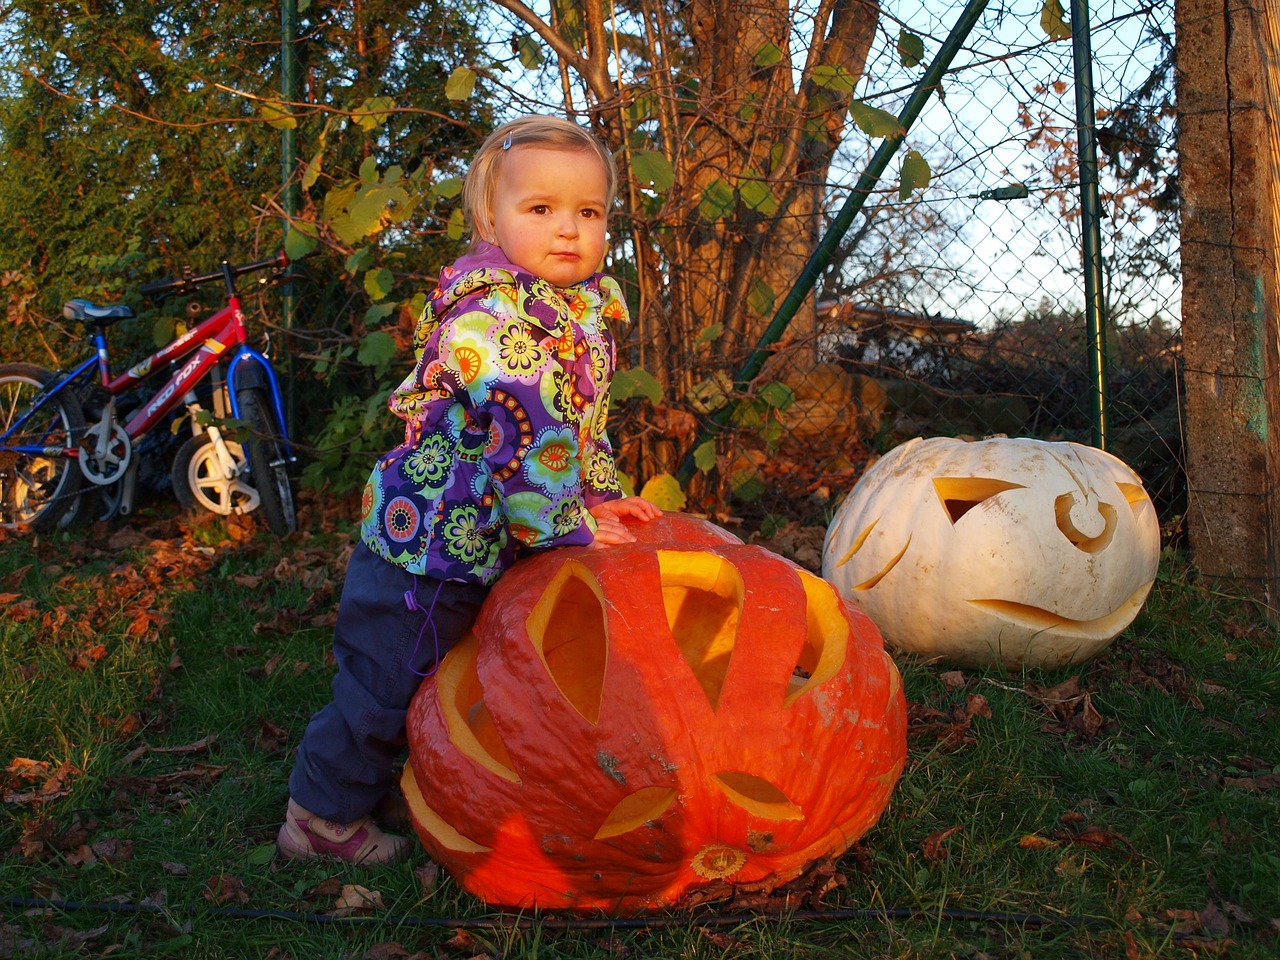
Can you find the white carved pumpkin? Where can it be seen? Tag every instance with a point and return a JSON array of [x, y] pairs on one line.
[[1007, 550]]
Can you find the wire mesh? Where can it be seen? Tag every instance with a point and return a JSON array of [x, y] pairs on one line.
[[960, 310]]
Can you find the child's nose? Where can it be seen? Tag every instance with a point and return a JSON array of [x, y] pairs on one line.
[[568, 226]]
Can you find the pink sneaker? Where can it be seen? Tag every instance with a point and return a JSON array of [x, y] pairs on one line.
[[304, 836]]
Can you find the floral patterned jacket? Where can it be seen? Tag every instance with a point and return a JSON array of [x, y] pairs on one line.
[[504, 423]]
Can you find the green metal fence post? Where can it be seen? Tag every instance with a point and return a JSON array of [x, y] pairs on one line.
[[288, 160], [1090, 222], [857, 198]]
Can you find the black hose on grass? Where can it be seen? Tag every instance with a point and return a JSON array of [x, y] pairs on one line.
[[584, 923]]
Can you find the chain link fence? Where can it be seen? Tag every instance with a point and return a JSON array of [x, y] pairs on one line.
[[960, 310]]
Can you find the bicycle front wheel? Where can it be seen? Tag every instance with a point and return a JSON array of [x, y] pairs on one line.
[[43, 491], [268, 459]]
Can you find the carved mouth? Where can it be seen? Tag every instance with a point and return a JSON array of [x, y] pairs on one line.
[[1038, 618]]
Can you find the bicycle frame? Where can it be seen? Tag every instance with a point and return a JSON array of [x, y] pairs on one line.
[[206, 344]]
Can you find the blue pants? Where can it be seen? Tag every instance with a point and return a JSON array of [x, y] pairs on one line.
[[384, 644]]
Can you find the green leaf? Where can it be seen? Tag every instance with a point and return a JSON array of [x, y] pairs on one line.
[[461, 84], [162, 330], [378, 283], [298, 244], [311, 173], [369, 170], [747, 485], [773, 524], [449, 187], [910, 48], [777, 395], [344, 229], [627, 484], [263, 853], [717, 200], [915, 174], [278, 116], [711, 394], [768, 54], [529, 47], [837, 79], [653, 169], [366, 212], [636, 382], [1053, 20], [337, 199], [373, 112], [379, 312], [377, 349], [761, 298], [704, 456], [358, 260], [758, 196], [873, 121], [457, 227], [710, 333], [663, 490]]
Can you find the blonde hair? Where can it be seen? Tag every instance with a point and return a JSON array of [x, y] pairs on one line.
[[530, 131]]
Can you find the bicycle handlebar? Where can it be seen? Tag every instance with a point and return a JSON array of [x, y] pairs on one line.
[[160, 289]]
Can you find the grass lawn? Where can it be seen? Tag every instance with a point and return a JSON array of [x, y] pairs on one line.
[[155, 677]]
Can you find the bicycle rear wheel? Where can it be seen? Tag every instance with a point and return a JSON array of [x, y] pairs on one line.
[[268, 460], [43, 492]]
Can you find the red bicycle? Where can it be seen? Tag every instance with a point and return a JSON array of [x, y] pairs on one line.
[[66, 436]]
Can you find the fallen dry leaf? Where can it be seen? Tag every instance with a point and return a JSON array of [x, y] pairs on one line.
[[1262, 783], [1033, 842], [977, 706], [356, 899], [390, 950], [428, 876], [224, 889], [271, 737], [112, 850], [932, 847]]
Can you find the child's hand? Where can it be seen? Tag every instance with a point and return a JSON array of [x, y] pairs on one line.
[[609, 526]]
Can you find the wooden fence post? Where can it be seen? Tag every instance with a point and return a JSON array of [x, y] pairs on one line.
[[1228, 90]]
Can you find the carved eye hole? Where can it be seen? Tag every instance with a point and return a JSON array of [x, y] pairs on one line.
[[646, 804], [959, 495], [1136, 496], [1085, 540], [826, 639], [757, 795], [702, 594], [462, 701], [567, 628]]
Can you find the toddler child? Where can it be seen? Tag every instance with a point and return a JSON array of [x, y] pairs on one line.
[[505, 449]]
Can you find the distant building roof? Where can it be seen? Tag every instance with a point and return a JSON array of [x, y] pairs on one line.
[[918, 325]]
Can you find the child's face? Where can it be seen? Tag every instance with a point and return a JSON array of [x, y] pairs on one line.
[[549, 213]]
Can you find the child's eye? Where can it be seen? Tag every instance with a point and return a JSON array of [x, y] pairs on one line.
[[541, 208]]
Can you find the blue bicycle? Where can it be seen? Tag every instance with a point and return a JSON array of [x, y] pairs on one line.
[[70, 440]]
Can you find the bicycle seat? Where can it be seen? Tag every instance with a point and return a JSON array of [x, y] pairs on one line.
[[85, 311]]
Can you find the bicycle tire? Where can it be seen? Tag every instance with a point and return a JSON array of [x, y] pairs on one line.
[[44, 493], [268, 460], [198, 482]]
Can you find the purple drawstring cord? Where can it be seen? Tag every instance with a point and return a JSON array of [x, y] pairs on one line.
[[411, 601]]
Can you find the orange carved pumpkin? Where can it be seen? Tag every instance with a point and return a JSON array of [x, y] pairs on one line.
[[628, 724]]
